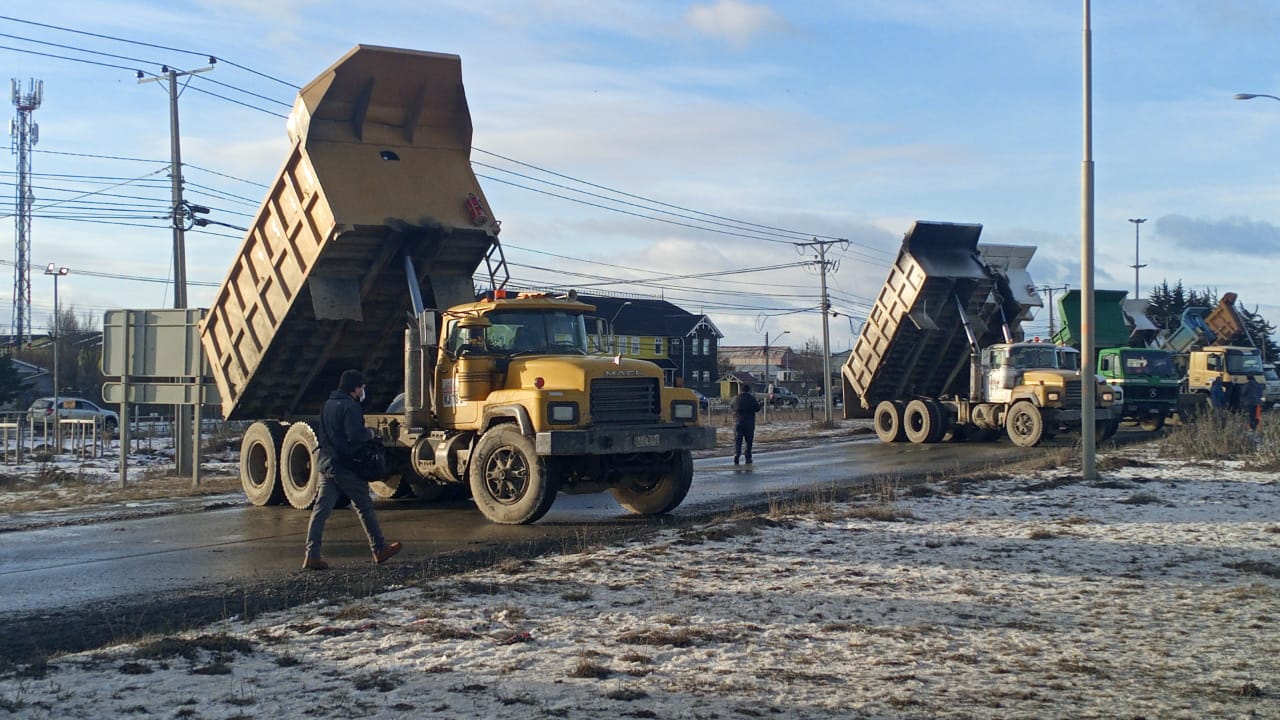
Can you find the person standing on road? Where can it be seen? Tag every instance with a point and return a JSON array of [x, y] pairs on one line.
[[1217, 394], [1251, 402], [745, 406], [341, 433]]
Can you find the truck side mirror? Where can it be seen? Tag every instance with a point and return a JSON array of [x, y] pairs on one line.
[[427, 329]]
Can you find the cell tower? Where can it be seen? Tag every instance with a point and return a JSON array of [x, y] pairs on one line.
[[24, 135]]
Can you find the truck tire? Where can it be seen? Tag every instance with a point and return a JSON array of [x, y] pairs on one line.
[[299, 475], [1152, 424], [888, 421], [260, 463], [657, 493], [1025, 424], [510, 483], [922, 421]]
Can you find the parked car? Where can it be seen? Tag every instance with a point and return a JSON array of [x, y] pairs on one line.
[[73, 408], [783, 396]]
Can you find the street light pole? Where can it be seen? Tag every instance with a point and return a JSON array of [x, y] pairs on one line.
[[766, 371], [57, 272], [613, 331], [1250, 96], [1137, 223]]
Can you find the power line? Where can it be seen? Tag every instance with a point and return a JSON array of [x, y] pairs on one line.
[[150, 45], [628, 212], [799, 235]]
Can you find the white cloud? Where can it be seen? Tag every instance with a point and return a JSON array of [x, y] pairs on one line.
[[734, 21]]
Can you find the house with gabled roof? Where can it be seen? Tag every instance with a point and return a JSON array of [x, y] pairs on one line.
[[684, 344]]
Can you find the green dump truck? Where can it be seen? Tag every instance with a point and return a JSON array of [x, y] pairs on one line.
[[1148, 378]]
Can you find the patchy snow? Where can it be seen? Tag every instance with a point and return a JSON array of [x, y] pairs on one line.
[[1155, 593]]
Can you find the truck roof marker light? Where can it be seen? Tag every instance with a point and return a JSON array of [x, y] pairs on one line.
[[500, 294], [539, 382]]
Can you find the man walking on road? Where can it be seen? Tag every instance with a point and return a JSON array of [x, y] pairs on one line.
[[745, 406], [341, 432]]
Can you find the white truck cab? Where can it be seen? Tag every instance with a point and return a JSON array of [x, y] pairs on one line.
[[1271, 393]]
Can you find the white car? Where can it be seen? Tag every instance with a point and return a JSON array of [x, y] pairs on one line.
[[73, 408]]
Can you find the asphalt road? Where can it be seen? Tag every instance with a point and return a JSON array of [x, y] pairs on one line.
[[77, 587]]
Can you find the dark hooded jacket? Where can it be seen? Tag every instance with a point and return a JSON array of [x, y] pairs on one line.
[[342, 428], [745, 406]]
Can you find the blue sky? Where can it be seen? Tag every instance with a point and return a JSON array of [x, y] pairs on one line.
[[845, 119]]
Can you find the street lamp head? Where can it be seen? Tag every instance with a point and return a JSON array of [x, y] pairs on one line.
[[1245, 96], [53, 269], [1137, 221]]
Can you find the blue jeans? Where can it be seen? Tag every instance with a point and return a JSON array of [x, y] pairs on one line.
[[336, 480], [741, 432]]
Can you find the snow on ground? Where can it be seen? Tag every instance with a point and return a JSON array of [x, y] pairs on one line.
[[1154, 593]]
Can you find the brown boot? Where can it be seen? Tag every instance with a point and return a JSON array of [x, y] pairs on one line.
[[314, 564], [386, 553]]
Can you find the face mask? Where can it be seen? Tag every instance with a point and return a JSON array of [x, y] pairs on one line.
[[360, 396]]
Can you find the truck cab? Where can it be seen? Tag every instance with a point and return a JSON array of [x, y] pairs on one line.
[[1235, 365], [1271, 394], [1045, 373], [1149, 380]]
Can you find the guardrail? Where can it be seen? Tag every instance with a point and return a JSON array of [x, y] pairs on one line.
[[24, 439]]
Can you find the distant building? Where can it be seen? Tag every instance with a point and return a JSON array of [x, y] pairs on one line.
[[751, 359], [684, 344]]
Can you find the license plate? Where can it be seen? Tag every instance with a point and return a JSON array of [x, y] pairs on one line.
[[648, 441]]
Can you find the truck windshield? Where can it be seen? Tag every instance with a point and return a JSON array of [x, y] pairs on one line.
[[1027, 357], [1239, 363], [1140, 363], [552, 332]]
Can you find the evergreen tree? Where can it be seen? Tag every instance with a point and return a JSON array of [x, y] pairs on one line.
[[1261, 331]]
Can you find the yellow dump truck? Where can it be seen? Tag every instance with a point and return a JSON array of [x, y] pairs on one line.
[[363, 255], [940, 358]]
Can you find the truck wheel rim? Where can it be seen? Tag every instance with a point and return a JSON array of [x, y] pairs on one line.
[[506, 476]]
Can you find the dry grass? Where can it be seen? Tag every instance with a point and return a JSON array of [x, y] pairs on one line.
[[41, 492], [1221, 435]]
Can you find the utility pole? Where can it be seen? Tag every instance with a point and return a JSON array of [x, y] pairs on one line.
[[1088, 354], [824, 265], [183, 442], [1137, 223], [1051, 289], [24, 134]]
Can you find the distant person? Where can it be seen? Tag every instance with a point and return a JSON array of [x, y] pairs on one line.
[[744, 406], [1251, 402], [1217, 394], [341, 432]]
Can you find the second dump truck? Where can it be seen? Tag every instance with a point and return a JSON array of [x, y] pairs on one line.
[[363, 256], [940, 356], [1148, 376]]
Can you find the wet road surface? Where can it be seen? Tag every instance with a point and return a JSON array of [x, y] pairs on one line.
[[126, 573]]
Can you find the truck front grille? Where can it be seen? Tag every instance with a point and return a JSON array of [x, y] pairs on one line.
[[1073, 393], [625, 400]]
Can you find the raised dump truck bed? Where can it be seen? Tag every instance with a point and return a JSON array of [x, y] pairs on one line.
[[914, 341], [379, 172], [1111, 329]]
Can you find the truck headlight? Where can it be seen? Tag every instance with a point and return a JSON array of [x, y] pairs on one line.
[[681, 410], [562, 413], [1108, 397], [1054, 396]]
